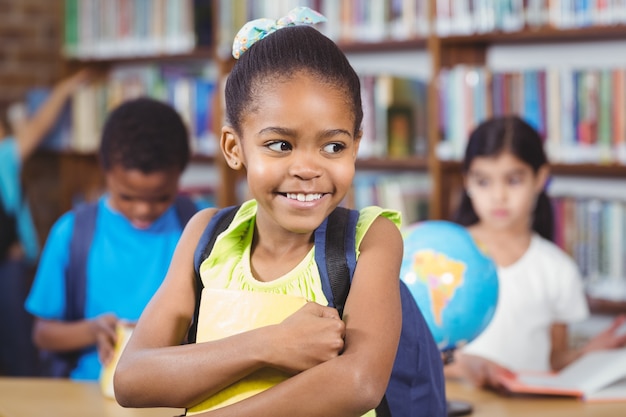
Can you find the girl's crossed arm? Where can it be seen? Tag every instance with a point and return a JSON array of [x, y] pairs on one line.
[[155, 370]]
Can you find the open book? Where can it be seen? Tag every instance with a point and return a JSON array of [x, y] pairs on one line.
[[597, 376], [225, 313]]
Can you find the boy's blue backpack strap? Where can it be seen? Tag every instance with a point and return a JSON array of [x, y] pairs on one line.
[[335, 255], [218, 223], [185, 209], [76, 274]]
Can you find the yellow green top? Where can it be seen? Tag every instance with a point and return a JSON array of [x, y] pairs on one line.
[[228, 265]]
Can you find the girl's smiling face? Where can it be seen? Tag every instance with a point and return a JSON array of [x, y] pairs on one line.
[[298, 146]]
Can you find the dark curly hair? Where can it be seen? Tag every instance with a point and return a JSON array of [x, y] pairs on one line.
[[280, 56], [144, 134]]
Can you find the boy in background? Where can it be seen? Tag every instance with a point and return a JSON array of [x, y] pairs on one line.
[[143, 152]]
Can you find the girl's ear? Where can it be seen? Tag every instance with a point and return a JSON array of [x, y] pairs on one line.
[[543, 174], [357, 143], [231, 148]]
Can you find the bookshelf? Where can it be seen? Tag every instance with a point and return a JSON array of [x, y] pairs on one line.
[[574, 41], [416, 40]]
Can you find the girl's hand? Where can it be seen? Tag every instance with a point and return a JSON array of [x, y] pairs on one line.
[[482, 372], [610, 338], [312, 335], [103, 328]]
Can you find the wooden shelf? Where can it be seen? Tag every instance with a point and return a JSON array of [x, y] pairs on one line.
[[572, 170], [384, 46], [415, 163], [590, 170], [539, 35], [209, 159], [199, 54]]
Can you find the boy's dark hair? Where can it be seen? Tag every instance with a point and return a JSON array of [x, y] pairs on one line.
[[280, 56], [508, 134], [144, 134]]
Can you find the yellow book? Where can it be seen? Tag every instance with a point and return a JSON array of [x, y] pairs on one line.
[[225, 313], [123, 331]]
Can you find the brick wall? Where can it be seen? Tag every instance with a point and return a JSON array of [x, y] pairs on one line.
[[30, 44], [30, 56]]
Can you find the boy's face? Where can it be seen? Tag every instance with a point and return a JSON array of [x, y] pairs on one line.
[[141, 198]]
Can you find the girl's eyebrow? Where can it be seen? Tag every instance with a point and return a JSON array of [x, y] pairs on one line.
[[334, 132], [283, 131], [481, 173]]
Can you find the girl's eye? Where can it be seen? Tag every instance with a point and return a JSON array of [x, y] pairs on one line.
[[515, 180], [279, 146], [482, 182], [334, 147]]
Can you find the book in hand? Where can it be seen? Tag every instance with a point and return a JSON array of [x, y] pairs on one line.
[[225, 313], [123, 330], [596, 376]]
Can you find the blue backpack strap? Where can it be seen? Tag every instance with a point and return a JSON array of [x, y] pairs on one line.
[[76, 274], [61, 364], [185, 209], [335, 255], [218, 223]]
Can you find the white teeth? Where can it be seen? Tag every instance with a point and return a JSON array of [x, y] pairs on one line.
[[304, 197]]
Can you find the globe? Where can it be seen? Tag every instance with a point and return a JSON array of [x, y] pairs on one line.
[[454, 283]]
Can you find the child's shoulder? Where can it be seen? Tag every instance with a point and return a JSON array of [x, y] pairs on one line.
[[202, 217], [551, 252]]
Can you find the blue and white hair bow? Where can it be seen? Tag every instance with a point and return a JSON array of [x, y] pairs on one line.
[[258, 29]]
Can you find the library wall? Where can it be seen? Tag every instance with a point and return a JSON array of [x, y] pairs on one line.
[[30, 44]]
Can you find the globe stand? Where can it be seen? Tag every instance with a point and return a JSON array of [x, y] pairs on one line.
[[455, 407]]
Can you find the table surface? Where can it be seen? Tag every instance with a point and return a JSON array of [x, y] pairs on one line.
[[34, 397], [39, 397], [490, 404]]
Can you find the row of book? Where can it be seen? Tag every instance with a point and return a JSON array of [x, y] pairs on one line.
[[100, 29], [409, 193], [347, 20], [581, 113], [188, 89], [395, 116], [103, 29], [593, 232], [460, 17]]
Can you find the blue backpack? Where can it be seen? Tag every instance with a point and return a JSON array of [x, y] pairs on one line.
[[61, 364], [416, 387]]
